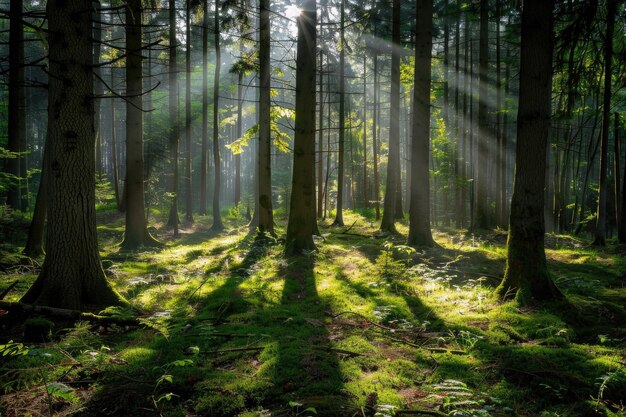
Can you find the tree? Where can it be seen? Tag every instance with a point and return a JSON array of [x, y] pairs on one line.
[[342, 119], [217, 216], [205, 108], [17, 195], [482, 182], [266, 216], [136, 234], [526, 270], [600, 234], [72, 275], [300, 225], [393, 162], [188, 191], [174, 132], [419, 212]]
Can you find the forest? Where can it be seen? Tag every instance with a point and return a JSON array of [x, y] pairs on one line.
[[300, 208]]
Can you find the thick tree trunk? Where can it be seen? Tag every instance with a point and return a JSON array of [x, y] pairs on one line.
[[136, 234], [173, 220], [600, 234], [300, 225], [217, 216], [205, 108], [419, 214], [17, 194], [266, 212], [393, 160], [526, 270], [72, 276]]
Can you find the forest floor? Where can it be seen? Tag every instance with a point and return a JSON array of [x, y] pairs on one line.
[[362, 327]]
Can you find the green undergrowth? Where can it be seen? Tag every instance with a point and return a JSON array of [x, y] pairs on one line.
[[364, 326]]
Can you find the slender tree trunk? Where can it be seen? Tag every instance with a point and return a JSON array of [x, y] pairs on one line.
[[342, 122], [621, 234], [375, 139], [136, 234], [320, 143], [238, 134], [205, 108], [482, 181], [98, 89], [526, 271], [34, 242], [114, 163], [300, 225], [266, 213], [188, 192], [600, 234], [419, 214], [174, 130], [387, 223], [217, 216], [365, 190], [71, 276], [17, 195]]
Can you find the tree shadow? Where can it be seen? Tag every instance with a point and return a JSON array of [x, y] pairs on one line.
[[307, 368]]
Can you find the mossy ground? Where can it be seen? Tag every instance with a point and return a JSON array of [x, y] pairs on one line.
[[231, 327]]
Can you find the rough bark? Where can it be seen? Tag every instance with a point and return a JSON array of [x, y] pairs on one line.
[[526, 271], [621, 232], [300, 226], [419, 212], [72, 276], [393, 160], [266, 213]]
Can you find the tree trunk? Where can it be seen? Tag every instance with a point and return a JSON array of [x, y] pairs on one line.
[[174, 131], [300, 225], [205, 108], [482, 181], [266, 213], [72, 276], [114, 163], [375, 139], [365, 190], [136, 234], [621, 233], [320, 143], [526, 271], [34, 242], [600, 234], [419, 214], [393, 163], [217, 216], [17, 195], [188, 191], [342, 122]]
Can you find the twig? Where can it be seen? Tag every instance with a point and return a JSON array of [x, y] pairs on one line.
[[422, 411], [444, 350]]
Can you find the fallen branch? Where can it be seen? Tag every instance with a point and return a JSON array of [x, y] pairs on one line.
[[444, 350], [241, 349], [17, 307], [340, 351], [348, 229], [421, 412], [8, 289]]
